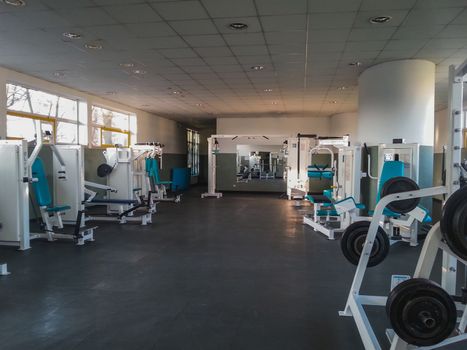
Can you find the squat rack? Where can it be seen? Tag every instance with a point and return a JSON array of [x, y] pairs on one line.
[[356, 302]]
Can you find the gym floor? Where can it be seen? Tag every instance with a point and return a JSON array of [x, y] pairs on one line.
[[241, 272]]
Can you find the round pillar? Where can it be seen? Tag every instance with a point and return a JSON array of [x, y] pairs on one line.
[[396, 100]]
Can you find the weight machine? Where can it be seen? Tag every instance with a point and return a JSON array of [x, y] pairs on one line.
[[422, 314], [336, 209], [21, 170]]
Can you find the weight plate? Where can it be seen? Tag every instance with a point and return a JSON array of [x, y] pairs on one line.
[[353, 240], [397, 185], [104, 170], [421, 312], [454, 222]]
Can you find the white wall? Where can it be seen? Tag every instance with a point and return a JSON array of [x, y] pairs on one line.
[[150, 126], [396, 100], [343, 124]]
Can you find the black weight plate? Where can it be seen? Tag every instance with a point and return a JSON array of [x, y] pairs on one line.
[[104, 170], [421, 312], [397, 185], [453, 222], [354, 238]]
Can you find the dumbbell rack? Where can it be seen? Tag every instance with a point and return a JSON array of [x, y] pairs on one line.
[[356, 301]]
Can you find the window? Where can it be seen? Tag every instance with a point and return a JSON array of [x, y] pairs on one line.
[[30, 112], [110, 128], [193, 151]]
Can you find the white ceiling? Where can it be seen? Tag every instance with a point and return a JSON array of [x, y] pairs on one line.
[[305, 47]]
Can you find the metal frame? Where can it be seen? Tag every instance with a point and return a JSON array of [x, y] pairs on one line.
[[323, 224], [433, 242], [212, 161]]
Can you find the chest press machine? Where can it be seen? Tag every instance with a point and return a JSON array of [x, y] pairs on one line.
[[20, 170], [423, 314]]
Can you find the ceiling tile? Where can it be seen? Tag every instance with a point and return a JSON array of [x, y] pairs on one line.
[[134, 13], [229, 8], [181, 10], [332, 20], [283, 23], [245, 39], [204, 40], [405, 44], [369, 5], [229, 60], [317, 6], [195, 27], [429, 17], [213, 51], [250, 50], [280, 7], [365, 34], [86, 16], [279, 38], [177, 53], [417, 32], [147, 30]]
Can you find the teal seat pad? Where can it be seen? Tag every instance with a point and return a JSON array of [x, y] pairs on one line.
[[58, 208]]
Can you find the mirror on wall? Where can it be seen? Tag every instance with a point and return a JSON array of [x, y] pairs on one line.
[[260, 163]]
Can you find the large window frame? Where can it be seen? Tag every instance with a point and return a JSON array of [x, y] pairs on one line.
[[30, 109], [101, 128], [193, 151]]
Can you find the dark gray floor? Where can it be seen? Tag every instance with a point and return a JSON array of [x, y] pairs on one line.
[[240, 272]]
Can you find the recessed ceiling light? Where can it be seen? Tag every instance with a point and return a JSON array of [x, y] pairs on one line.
[[274, 103], [58, 74], [176, 92], [127, 65], [110, 93], [267, 90], [356, 63], [16, 3], [333, 102], [139, 71], [257, 67], [238, 26], [199, 105], [93, 46], [342, 88], [71, 35], [380, 19]]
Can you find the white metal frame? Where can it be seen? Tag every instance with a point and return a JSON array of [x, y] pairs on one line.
[[433, 242], [330, 225]]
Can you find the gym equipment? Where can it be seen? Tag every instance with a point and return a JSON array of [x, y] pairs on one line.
[[423, 305], [397, 185], [421, 312], [336, 209], [454, 222], [158, 187], [19, 171], [353, 240], [213, 150], [80, 193]]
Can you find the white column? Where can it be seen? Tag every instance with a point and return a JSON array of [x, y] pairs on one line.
[[2, 104], [396, 100]]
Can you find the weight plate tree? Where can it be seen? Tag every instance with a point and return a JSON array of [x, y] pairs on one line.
[[454, 222], [353, 240], [421, 312], [397, 185]]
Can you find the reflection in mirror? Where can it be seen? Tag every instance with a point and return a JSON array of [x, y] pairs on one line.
[[260, 162]]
